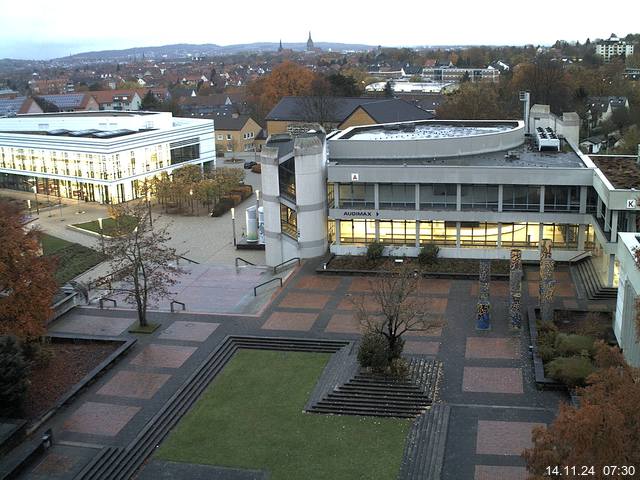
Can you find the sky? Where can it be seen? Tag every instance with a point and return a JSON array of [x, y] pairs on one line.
[[36, 30]]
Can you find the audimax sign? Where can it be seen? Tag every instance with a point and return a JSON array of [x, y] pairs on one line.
[[361, 213]]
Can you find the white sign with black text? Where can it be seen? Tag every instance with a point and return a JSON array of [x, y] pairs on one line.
[[632, 203], [355, 177]]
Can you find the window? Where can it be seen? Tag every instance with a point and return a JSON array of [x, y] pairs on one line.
[[438, 232], [561, 198], [526, 235], [478, 234], [287, 179], [397, 195], [228, 136], [220, 136], [357, 195], [185, 151], [479, 197], [398, 232], [359, 232], [438, 196], [288, 221], [521, 198], [564, 236], [592, 200]]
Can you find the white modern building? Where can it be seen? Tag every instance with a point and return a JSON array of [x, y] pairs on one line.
[[625, 325], [99, 156], [613, 47]]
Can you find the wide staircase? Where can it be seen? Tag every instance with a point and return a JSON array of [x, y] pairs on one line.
[[378, 395], [587, 274]]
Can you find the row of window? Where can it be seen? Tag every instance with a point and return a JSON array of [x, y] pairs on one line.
[[246, 136], [444, 196], [472, 234]]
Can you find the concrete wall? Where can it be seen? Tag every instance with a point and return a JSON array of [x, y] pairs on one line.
[[567, 126], [81, 121], [628, 288]]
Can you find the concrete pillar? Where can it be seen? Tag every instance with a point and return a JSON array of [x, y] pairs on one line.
[[607, 219], [500, 195], [270, 193], [599, 208], [612, 264], [614, 225], [542, 193], [418, 234], [376, 197], [457, 232], [417, 196], [582, 236], [336, 195], [337, 228], [583, 199], [458, 198]]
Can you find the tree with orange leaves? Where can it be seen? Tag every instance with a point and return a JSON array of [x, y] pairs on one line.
[[27, 284], [603, 431], [288, 78]]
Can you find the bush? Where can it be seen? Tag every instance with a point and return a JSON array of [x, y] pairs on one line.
[[399, 368], [572, 371], [14, 371], [546, 345], [567, 345], [428, 254], [37, 353], [374, 251], [374, 352]]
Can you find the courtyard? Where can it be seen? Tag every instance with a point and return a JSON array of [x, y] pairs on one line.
[[248, 414]]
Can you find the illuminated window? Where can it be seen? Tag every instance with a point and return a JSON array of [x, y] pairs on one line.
[[398, 232], [478, 234], [358, 232], [524, 235], [438, 232], [288, 221], [564, 236]]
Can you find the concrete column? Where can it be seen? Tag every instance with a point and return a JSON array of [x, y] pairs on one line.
[[582, 236], [583, 199], [612, 264], [499, 244], [417, 196], [337, 241], [376, 200], [632, 222], [418, 233], [614, 225], [607, 219], [377, 230], [500, 194], [336, 195], [540, 235], [541, 199], [458, 198], [599, 208], [457, 226]]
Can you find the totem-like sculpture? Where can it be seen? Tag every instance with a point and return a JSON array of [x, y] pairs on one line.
[[547, 289], [482, 309], [515, 289]]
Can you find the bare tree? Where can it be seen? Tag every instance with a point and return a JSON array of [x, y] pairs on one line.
[[403, 309], [140, 259]]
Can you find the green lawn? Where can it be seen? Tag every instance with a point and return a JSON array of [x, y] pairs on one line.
[[109, 226], [72, 258], [251, 417]]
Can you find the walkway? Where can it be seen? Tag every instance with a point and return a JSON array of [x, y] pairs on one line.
[[487, 376]]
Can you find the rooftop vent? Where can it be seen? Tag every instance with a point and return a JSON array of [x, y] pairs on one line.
[[547, 139]]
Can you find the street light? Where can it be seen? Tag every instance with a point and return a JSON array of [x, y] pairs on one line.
[[148, 195], [101, 234], [257, 214], [233, 224], [35, 192], [191, 196]]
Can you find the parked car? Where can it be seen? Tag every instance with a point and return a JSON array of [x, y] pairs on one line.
[[249, 164]]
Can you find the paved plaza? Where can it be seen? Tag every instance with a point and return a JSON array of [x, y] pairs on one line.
[[487, 376]]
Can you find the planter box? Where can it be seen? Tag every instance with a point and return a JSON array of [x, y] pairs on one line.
[[538, 365]]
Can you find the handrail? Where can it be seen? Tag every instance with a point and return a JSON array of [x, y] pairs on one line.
[[245, 261], [184, 307], [580, 256], [107, 299], [255, 289], [178, 257], [275, 269]]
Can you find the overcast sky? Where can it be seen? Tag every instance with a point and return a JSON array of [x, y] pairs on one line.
[[38, 29]]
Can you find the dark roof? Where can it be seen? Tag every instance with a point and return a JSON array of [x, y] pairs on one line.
[[230, 122], [11, 106], [395, 110], [601, 104], [412, 69], [381, 110], [426, 101]]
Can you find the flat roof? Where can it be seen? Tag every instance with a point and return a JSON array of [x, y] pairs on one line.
[[91, 113], [623, 172], [87, 133], [525, 155], [411, 131]]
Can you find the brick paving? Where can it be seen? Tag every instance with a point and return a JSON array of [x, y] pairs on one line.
[[493, 472], [488, 347], [486, 378], [503, 438], [496, 289], [299, 322], [100, 418], [190, 331], [163, 356], [492, 380], [134, 384]]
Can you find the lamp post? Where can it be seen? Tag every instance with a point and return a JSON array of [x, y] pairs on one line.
[[148, 195], [191, 197], [35, 193], [233, 224], [258, 213], [101, 234]]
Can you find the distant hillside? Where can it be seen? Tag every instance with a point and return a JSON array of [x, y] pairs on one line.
[[182, 50]]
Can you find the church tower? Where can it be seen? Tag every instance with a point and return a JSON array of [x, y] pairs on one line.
[[280, 47], [310, 44]]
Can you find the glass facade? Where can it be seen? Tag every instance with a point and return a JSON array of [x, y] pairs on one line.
[[287, 179], [398, 232], [521, 198], [438, 232], [288, 221], [561, 198], [520, 235], [360, 232], [397, 195], [564, 236], [479, 197], [438, 196], [479, 234], [357, 195]]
